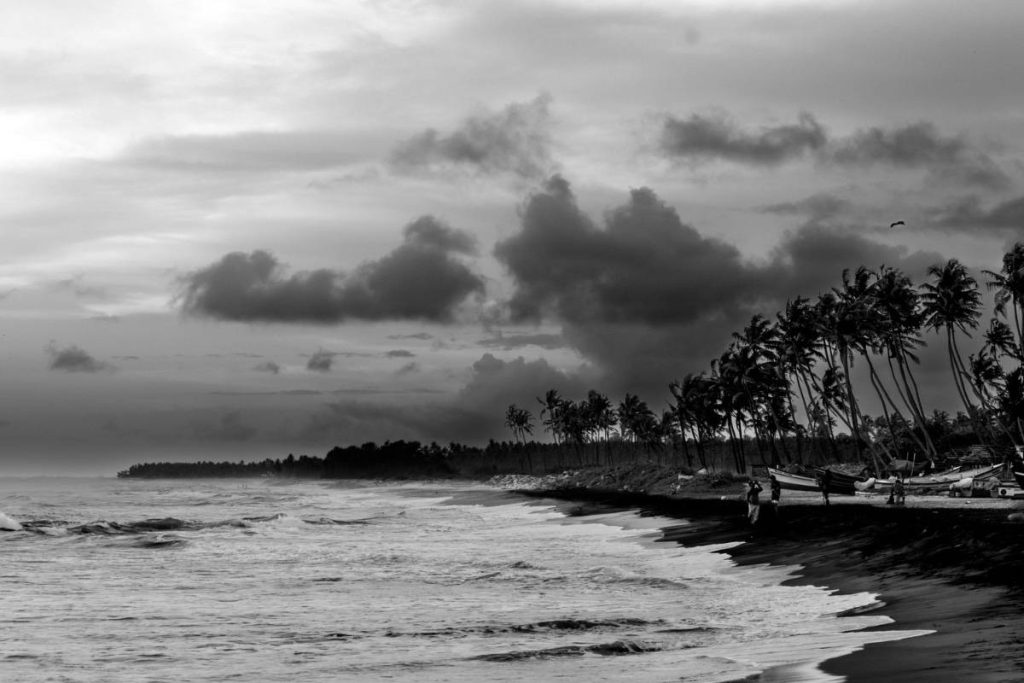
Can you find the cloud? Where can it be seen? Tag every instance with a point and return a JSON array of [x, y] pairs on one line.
[[407, 369], [75, 359], [422, 336], [816, 207], [645, 265], [321, 361], [948, 158], [513, 140], [703, 138], [919, 145], [400, 353], [646, 298], [512, 341], [269, 366], [968, 213], [421, 280]]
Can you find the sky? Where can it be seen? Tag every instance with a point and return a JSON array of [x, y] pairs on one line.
[[241, 230]]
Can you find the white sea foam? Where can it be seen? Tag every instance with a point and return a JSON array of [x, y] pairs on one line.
[[8, 524], [410, 588]]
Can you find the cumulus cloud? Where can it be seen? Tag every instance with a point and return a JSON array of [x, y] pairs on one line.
[[321, 361], [646, 297], [702, 138], [74, 359], [644, 265], [421, 279], [513, 140]]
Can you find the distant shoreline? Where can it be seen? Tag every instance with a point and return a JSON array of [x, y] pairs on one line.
[[957, 571]]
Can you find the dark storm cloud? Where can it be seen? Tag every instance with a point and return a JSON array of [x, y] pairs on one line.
[[75, 359], [421, 279], [248, 151], [269, 366], [702, 138], [646, 298], [816, 207], [513, 140], [920, 145], [400, 353], [645, 265], [321, 361], [968, 213]]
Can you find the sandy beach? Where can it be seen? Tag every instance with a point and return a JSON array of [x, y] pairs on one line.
[[953, 566]]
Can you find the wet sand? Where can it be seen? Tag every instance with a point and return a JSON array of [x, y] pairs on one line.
[[954, 566]]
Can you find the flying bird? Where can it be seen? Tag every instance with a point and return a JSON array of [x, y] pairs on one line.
[[893, 225]]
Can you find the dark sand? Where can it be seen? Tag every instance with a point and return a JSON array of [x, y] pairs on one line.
[[956, 570]]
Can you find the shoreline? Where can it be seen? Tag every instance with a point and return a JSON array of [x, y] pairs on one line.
[[957, 571]]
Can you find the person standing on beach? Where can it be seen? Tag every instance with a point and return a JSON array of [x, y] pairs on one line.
[[899, 492], [824, 479], [753, 501], [776, 488]]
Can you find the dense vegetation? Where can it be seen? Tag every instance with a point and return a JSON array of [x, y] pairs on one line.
[[783, 389]]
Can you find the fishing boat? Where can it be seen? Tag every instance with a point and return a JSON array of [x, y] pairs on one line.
[[840, 482], [941, 479], [794, 482], [1017, 466]]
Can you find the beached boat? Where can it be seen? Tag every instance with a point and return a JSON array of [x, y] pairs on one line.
[[794, 482], [840, 482], [1017, 467], [941, 479]]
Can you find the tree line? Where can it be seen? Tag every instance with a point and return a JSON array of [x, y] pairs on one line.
[[785, 384]]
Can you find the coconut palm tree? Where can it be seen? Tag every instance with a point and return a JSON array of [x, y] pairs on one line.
[[1009, 286], [952, 302]]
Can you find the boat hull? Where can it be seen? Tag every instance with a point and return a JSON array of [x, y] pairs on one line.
[[794, 482]]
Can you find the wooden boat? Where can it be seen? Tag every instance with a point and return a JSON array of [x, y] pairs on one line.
[[840, 483], [940, 479], [794, 482], [1017, 467]]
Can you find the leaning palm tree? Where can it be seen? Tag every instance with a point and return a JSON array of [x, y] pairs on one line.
[[952, 302], [1009, 286]]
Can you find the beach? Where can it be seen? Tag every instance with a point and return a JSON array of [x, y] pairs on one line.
[[952, 566]]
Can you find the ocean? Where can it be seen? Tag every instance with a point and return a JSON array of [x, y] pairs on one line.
[[269, 580]]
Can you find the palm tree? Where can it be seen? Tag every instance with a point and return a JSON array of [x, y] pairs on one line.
[[1009, 286], [952, 302], [552, 414]]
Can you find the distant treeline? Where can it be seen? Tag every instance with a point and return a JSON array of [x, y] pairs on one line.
[[413, 460]]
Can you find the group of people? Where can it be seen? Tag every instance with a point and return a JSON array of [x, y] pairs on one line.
[[897, 495]]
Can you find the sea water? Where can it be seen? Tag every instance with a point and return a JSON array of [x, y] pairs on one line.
[[273, 580]]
